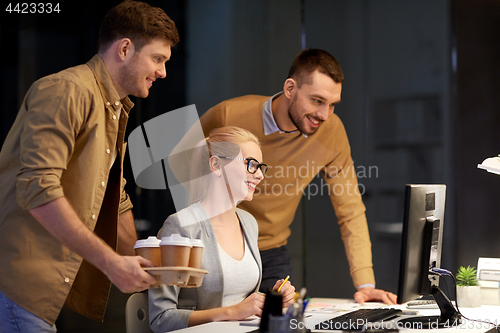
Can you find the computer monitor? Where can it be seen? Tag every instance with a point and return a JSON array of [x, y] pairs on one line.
[[421, 251]]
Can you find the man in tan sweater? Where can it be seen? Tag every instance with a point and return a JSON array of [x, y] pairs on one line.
[[301, 136]]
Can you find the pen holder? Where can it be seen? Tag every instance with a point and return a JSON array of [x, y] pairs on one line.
[[279, 324], [272, 306]]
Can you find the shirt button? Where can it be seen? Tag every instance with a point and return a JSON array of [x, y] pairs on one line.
[[117, 103], [108, 103], [66, 280], [108, 151], [114, 117], [103, 184], [93, 217]]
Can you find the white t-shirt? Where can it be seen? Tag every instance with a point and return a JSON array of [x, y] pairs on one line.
[[240, 276]]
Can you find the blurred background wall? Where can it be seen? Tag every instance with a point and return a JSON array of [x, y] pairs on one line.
[[420, 105]]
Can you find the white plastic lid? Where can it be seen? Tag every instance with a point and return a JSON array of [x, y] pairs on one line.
[[175, 239], [151, 241], [196, 243]]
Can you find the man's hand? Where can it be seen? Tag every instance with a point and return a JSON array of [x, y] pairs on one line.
[[59, 218], [126, 274], [378, 295]]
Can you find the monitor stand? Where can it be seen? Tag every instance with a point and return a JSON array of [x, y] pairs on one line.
[[449, 316]]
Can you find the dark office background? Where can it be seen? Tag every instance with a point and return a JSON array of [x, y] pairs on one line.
[[420, 104]]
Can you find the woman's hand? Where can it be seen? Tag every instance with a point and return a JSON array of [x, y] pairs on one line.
[[252, 305], [288, 292]]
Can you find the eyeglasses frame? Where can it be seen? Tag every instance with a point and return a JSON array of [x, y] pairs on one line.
[[259, 165]]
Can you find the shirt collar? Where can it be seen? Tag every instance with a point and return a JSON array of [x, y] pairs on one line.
[[268, 120], [107, 87]]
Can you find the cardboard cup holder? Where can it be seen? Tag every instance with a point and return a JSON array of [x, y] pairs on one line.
[[185, 277], [178, 260]]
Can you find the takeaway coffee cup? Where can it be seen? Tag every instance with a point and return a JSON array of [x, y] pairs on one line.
[[150, 249], [195, 261], [196, 253], [175, 250]]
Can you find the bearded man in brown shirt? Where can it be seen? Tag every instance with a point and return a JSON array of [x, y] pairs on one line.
[[66, 228]]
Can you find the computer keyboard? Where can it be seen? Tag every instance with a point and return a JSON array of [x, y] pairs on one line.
[[422, 304], [355, 320]]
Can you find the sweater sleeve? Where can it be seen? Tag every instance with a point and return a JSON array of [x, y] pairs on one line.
[[340, 175], [164, 316]]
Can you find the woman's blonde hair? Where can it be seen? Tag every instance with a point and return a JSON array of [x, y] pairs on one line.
[[222, 141], [231, 134]]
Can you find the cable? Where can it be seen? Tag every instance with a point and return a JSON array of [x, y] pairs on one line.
[[476, 320], [443, 272], [433, 272]]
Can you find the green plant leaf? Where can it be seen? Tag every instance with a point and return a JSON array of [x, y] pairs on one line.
[[467, 276]]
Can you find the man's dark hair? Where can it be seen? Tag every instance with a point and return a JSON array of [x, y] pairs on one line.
[[311, 60], [138, 21]]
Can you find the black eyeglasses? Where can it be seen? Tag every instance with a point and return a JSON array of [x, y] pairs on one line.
[[252, 164]]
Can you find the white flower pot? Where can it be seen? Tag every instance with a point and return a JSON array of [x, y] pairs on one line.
[[469, 297]]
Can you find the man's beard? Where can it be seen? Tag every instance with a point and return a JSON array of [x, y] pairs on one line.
[[130, 80], [301, 122]]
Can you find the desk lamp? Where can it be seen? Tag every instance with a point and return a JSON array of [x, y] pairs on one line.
[[491, 164]]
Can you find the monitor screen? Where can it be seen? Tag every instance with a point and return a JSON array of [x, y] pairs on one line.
[[421, 251], [421, 240]]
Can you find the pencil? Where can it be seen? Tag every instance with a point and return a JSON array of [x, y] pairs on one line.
[[283, 283]]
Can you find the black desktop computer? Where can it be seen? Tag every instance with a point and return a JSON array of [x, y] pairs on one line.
[[419, 268], [420, 259]]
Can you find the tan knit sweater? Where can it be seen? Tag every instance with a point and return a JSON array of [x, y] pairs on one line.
[[294, 160]]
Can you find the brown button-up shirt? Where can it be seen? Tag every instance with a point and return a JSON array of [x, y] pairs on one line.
[[62, 144]]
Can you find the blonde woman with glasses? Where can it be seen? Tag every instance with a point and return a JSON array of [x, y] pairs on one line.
[[226, 169]]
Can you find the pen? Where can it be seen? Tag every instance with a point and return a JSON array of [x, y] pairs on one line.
[[304, 305], [300, 300], [283, 283]]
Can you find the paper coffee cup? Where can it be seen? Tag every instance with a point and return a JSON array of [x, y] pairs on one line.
[[150, 249], [175, 250], [196, 253]]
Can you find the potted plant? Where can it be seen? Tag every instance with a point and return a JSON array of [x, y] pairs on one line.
[[468, 289]]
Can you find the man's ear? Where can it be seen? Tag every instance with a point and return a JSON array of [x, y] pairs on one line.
[[125, 48], [289, 88]]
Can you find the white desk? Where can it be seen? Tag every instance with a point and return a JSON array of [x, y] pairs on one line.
[[321, 309]]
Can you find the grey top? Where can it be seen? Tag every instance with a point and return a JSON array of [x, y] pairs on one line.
[[171, 306]]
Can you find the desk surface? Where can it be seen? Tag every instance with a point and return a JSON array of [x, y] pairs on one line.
[[321, 309]]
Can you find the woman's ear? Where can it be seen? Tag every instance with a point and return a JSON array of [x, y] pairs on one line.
[[215, 165]]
